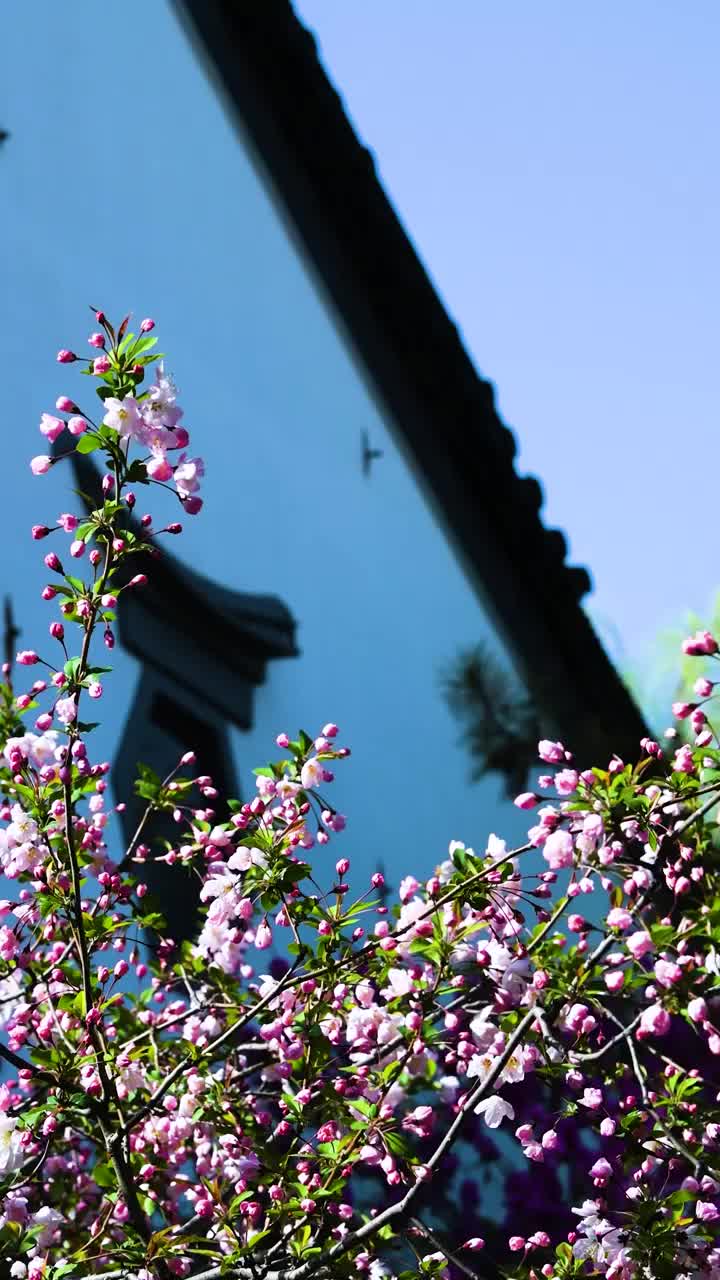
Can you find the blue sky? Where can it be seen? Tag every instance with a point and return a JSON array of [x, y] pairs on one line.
[[556, 166]]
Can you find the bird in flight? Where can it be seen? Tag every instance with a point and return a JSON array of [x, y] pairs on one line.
[[369, 455]]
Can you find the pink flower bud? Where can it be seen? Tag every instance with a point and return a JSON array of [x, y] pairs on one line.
[[703, 642], [76, 425], [77, 548], [65, 404], [66, 357], [40, 531], [97, 340], [263, 935], [146, 325], [101, 365], [526, 800], [41, 464], [698, 1010], [27, 658]]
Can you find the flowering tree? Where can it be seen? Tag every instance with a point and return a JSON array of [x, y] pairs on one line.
[[177, 1111]]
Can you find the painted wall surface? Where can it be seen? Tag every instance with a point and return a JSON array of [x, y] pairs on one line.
[[124, 184]]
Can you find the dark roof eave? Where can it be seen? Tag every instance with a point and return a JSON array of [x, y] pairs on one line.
[[443, 412]]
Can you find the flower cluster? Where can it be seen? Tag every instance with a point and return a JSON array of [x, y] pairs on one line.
[[289, 1094]]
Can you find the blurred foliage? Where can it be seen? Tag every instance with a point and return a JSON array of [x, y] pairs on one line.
[[671, 675], [500, 722]]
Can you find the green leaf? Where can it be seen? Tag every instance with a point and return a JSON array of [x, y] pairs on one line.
[[104, 1176], [88, 444]]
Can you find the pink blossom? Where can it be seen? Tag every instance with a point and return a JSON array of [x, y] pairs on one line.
[[655, 1021], [66, 709], [601, 1172], [575, 1017], [77, 425], [592, 1099], [615, 980], [683, 761], [566, 782], [51, 427], [66, 357], [551, 752], [188, 474], [639, 944], [101, 365], [9, 945], [558, 850], [408, 888], [41, 464], [619, 918], [312, 773], [667, 973], [705, 1211]]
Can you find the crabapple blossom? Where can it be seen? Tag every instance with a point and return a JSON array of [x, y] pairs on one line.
[[280, 1095]]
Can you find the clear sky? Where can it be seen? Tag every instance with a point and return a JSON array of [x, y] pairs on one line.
[[556, 165]]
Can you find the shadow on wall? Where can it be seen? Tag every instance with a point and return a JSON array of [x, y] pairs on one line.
[[500, 723]]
